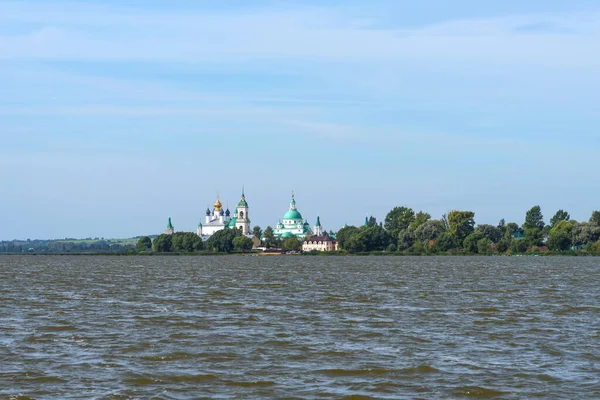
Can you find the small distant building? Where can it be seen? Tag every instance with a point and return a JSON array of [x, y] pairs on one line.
[[292, 224], [320, 241], [170, 228]]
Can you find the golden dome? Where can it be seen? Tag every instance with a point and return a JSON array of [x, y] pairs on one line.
[[217, 205]]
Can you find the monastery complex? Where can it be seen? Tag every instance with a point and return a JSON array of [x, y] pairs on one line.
[[291, 225]]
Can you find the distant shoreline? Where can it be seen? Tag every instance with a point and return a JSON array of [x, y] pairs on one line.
[[320, 254]]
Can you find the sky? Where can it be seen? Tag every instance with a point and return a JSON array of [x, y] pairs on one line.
[[115, 115]]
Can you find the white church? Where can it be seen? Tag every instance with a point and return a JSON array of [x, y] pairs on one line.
[[218, 219]]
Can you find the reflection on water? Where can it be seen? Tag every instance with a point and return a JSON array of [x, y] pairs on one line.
[[303, 327]]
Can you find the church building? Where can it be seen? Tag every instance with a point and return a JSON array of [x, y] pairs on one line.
[[292, 224], [219, 219]]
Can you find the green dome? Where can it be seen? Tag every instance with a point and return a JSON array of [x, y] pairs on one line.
[[293, 214], [232, 222], [242, 203], [286, 235]]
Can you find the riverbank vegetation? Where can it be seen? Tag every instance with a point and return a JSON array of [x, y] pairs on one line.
[[403, 232]]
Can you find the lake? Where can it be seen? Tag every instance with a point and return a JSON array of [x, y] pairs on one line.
[[299, 327]]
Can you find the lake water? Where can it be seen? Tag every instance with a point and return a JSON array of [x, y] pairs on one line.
[[299, 327]]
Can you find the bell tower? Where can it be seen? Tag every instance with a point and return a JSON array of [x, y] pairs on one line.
[[243, 219]]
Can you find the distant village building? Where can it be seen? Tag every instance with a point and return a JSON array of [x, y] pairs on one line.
[[219, 219], [292, 224], [320, 241], [170, 228]]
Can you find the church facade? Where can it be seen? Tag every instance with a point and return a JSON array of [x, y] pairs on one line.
[[292, 224], [219, 219]]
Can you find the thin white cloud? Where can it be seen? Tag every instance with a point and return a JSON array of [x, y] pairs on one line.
[[78, 32]]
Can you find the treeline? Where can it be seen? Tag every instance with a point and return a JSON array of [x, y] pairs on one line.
[[53, 246], [407, 232], [223, 241]]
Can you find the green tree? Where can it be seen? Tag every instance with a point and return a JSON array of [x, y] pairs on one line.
[[144, 244], [534, 219], [257, 232], [420, 219], [504, 244], [471, 241], [490, 232], [585, 233], [375, 238], [398, 219], [518, 246], [595, 218], [502, 226], [595, 248], [446, 242], [372, 222], [429, 230], [560, 236], [511, 228], [162, 243], [344, 235], [222, 241], [191, 242], [484, 246], [242, 243], [561, 215], [270, 240], [461, 224], [355, 243], [534, 237], [291, 244]]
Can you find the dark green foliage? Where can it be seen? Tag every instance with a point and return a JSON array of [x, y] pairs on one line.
[[291, 244], [561, 215], [162, 243], [270, 241], [490, 232], [534, 237], [344, 235], [461, 224], [504, 244], [144, 244], [534, 219], [420, 219], [398, 219], [429, 230], [559, 240], [372, 221], [222, 241], [584, 233], [242, 243], [484, 246], [406, 239], [595, 219], [186, 242], [518, 246], [471, 241], [446, 242], [511, 228], [372, 238], [257, 232]]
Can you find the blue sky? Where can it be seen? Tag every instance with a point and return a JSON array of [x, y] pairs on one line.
[[115, 115]]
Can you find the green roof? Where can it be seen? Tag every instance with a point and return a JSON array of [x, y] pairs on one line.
[[199, 224], [286, 235], [169, 224], [318, 221], [232, 222], [293, 214]]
